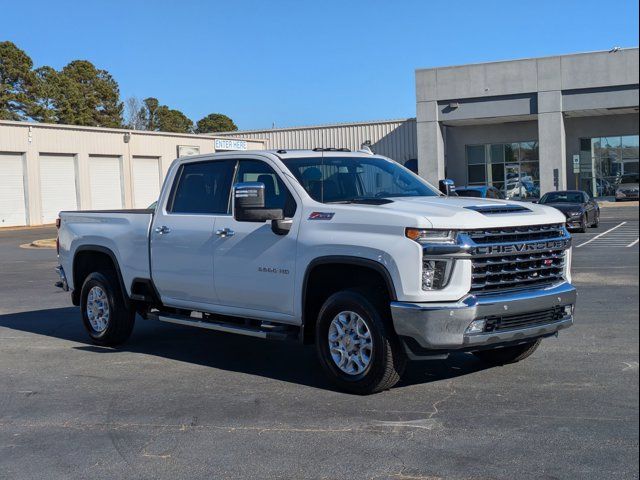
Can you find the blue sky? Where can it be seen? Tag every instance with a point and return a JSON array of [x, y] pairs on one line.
[[302, 62]]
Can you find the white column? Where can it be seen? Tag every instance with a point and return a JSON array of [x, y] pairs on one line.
[[430, 143], [552, 141]]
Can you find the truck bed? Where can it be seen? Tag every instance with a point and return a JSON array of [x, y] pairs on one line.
[[124, 234]]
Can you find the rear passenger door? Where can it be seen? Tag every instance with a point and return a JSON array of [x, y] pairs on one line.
[[183, 233], [254, 268]]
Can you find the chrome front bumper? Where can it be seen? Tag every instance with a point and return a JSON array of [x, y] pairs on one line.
[[443, 326]]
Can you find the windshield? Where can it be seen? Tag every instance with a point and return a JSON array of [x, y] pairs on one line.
[[356, 179], [563, 197]]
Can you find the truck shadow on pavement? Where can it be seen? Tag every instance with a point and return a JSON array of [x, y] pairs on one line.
[[291, 362]]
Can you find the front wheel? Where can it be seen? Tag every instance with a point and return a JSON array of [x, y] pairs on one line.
[[583, 224], [506, 355], [356, 345], [107, 319]]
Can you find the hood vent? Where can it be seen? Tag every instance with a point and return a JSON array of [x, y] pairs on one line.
[[498, 209]]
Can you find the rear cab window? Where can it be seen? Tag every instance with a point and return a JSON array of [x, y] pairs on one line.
[[202, 188]]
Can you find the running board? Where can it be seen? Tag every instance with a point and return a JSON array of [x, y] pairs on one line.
[[222, 327]]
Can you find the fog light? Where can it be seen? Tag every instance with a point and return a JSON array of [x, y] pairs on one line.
[[435, 274], [477, 326], [568, 310]]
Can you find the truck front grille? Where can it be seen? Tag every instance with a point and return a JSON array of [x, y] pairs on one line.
[[517, 270]]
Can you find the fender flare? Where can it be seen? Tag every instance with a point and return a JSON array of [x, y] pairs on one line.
[[344, 260], [97, 249]]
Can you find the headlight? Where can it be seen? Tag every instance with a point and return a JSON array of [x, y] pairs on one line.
[[435, 273], [424, 235], [574, 214]]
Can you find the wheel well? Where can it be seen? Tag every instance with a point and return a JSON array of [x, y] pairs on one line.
[[325, 279], [88, 261]]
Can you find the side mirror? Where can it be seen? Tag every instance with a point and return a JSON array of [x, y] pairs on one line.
[[448, 187], [249, 204]]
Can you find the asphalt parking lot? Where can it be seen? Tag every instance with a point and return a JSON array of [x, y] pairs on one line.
[[176, 402]]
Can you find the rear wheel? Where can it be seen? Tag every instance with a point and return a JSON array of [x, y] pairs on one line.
[[356, 345], [596, 220], [506, 355], [107, 319]]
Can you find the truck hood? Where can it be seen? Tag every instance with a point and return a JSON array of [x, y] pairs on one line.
[[462, 212]]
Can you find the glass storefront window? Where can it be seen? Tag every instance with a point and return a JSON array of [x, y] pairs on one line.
[[511, 152], [604, 161], [528, 151], [630, 147], [476, 154], [476, 174], [512, 168], [497, 153]]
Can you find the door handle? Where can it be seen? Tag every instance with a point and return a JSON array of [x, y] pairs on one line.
[[225, 232], [163, 229]]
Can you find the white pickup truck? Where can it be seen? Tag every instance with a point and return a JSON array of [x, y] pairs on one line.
[[347, 250]]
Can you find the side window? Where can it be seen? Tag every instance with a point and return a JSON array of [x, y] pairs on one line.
[[276, 194], [203, 188]]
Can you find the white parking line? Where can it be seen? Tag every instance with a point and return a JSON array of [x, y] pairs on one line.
[[633, 243], [601, 235]]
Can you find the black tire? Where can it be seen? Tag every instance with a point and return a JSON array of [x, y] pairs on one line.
[[506, 355], [596, 222], [388, 359], [121, 318]]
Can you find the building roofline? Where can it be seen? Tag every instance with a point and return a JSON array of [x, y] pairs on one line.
[[525, 59], [307, 127], [59, 126]]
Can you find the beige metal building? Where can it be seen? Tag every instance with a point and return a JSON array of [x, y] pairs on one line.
[[395, 139], [46, 168]]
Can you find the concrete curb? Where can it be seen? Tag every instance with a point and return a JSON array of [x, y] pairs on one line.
[[44, 243], [608, 204]]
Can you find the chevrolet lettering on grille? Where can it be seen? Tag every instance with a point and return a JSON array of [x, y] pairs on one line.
[[521, 247]]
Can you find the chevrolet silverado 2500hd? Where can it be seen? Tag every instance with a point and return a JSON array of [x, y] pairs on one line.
[[347, 250]]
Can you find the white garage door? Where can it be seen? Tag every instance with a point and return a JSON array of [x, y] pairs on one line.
[[146, 181], [57, 185], [105, 180], [12, 205]]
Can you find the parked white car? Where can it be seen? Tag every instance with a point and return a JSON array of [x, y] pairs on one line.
[[350, 251]]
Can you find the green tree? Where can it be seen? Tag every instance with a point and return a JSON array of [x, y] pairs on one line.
[[151, 104], [44, 94], [215, 122], [88, 96], [170, 120], [16, 80]]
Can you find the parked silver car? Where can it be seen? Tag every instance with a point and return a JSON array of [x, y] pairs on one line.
[[628, 188]]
